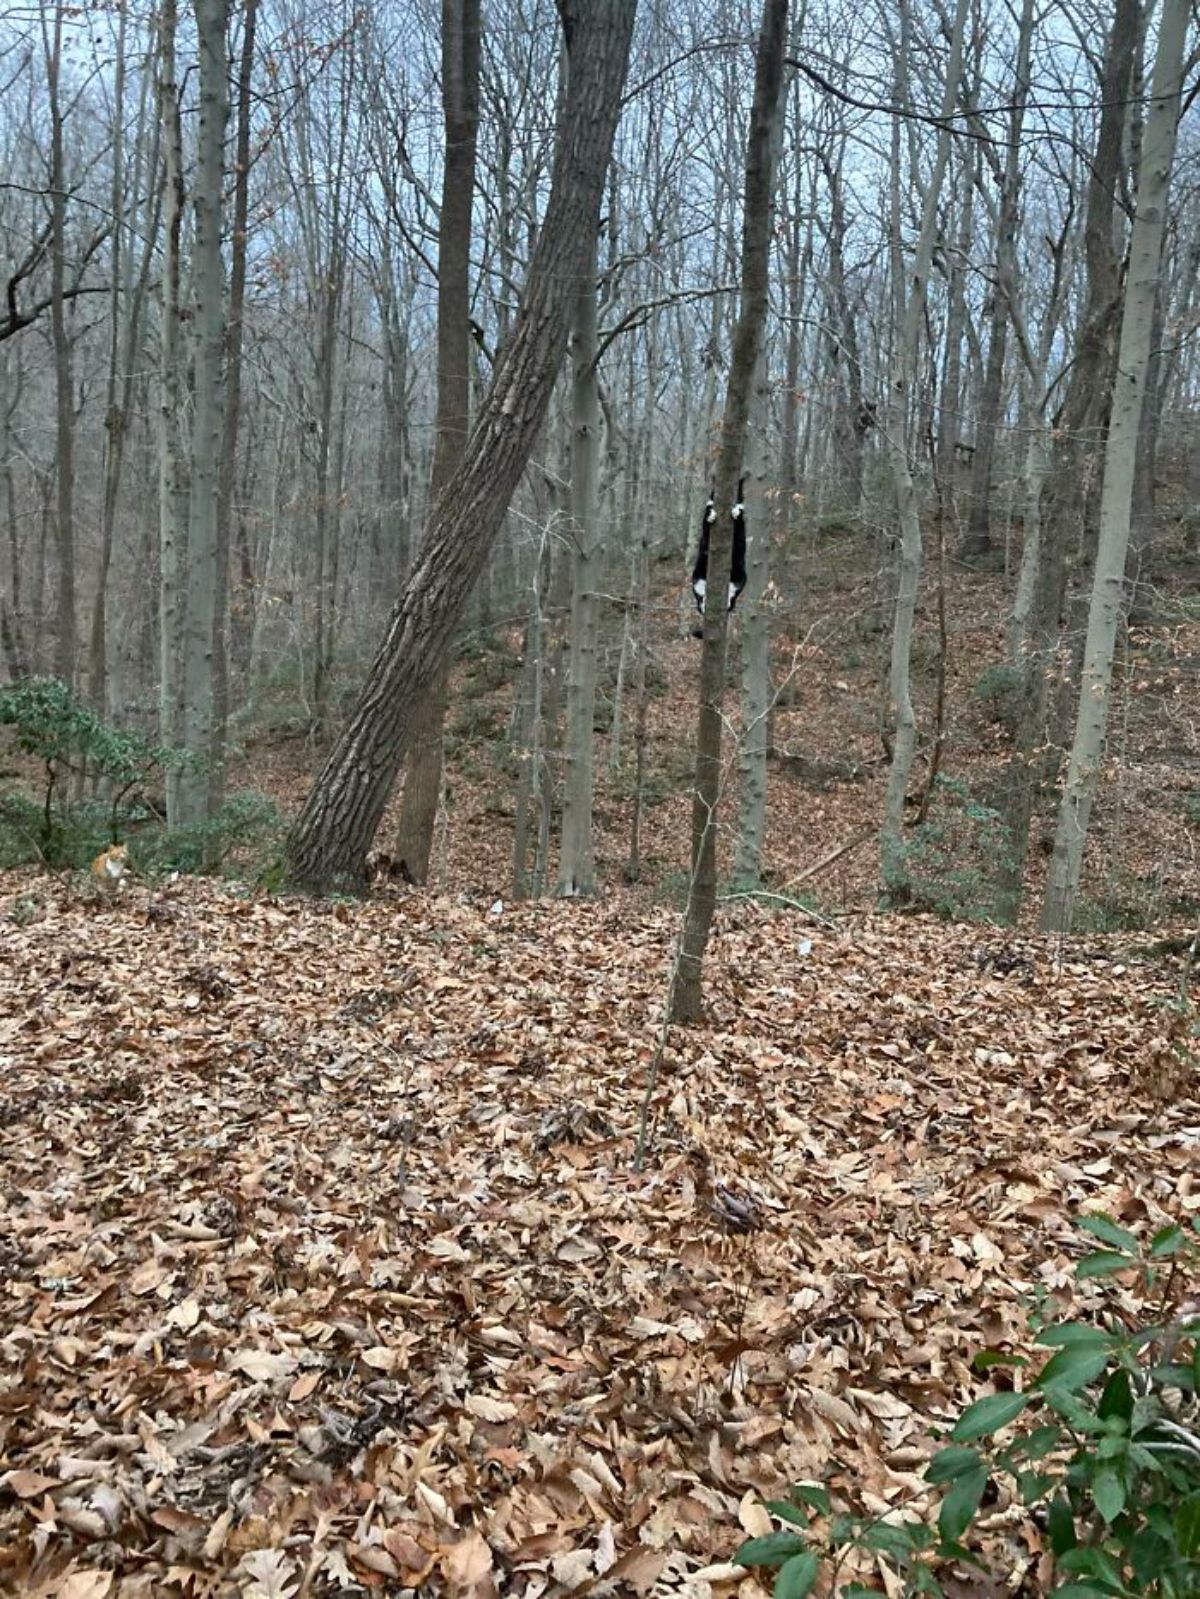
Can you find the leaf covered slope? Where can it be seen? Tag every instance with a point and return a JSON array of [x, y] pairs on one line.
[[326, 1268]]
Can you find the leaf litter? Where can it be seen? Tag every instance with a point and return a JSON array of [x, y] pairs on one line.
[[326, 1268]]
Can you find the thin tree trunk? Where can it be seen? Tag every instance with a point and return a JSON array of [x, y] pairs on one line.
[[577, 863], [685, 1002], [64, 402], [978, 540], [114, 415], [207, 418], [174, 484], [328, 846], [460, 105], [1108, 590], [234, 333], [1078, 429], [756, 666], [910, 312]]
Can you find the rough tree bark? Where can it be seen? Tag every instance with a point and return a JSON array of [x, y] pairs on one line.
[[1077, 432], [172, 462], [685, 1002], [196, 720], [978, 540], [577, 861], [460, 106], [756, 652], [329, 844], [64, 396], [234, 331], [909, 315], [1133, 359]]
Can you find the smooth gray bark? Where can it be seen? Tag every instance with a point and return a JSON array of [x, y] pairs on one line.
[[1120, 456], [685, 1001], [208, 312]]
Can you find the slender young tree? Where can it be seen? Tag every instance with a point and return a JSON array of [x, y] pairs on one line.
[[64, 383], [234, 339], [910, 287], [200, 589], [1079, 425], [460, 108], [685, 1003], [756, 654], [172, 461], [1120, 455], [329, 844], [577, 861]]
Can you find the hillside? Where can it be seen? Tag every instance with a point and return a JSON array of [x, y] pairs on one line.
[[327, 1268]]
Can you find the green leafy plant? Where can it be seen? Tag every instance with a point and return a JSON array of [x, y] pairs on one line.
[[247, 825], [1000, 689], [77, 748], [948, 864], [1101, 1446]]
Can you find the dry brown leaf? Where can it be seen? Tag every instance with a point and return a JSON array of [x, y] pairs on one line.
[[28, 1484], [468, 1567], [488, 1409]]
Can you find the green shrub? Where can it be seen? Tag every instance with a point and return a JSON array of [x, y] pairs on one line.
[[949, 864], [248, 826], [1101, 1450], [77, 749], [999, 690]]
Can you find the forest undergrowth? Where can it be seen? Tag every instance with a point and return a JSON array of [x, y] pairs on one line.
[[327, 1266]]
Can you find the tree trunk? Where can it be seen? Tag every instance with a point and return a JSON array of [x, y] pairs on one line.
[[978, 540], [577, 862], [1078, 430], [460, 105], [756, 663], [1119, 464], [910, 311], [234, 332], [64, 441], [173, 471], [685, 1002], [196, 722], [114, 415], [329, 844]]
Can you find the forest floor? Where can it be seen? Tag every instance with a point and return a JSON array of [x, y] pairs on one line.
[[828, 769], [325, 1262], [327, 1266]]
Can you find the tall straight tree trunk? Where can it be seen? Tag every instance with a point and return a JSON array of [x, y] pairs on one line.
[[123, 351], [196, 722], [1078, 429], [685, 1002], [64, 399], [577, 862], [978, 540], [1120, 456], [910, 295], [756, 661], [460, 105], [329, 844], [173, 481], [114, 416], [234, 331]]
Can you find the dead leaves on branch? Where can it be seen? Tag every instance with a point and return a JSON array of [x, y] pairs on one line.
[[326, 1269]]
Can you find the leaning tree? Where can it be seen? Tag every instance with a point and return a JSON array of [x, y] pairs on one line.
[[328, 846]]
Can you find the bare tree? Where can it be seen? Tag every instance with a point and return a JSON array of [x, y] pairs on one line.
[[685, 1003], [460, 110], [1120, 455], [329, 844], [910, 287]]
